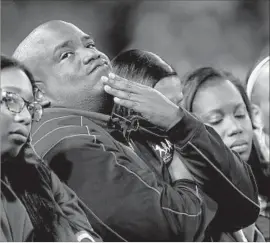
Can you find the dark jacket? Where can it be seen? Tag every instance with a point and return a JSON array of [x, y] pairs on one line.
[[15, 222], [125, 200], [218, 171], [52, 207]]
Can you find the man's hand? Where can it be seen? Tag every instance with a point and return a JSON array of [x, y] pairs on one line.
[[153, 106]]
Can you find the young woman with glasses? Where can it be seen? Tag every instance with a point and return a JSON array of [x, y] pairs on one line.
[[35, 205]]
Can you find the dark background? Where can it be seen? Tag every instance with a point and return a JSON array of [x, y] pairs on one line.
[[227, 34]]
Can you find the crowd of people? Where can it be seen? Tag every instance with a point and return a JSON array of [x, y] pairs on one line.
[[94, 149]]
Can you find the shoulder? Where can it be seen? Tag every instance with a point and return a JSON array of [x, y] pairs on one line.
[[63, 132]]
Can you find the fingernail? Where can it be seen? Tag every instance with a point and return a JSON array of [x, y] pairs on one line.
[[104, 79], [111, 75], [116, 99], [106, 88]]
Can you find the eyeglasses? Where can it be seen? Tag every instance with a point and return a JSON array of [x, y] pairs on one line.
[[16, 103]]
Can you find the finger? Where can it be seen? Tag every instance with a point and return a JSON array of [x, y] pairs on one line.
[[120, 94], [128, 103], [122, 84]]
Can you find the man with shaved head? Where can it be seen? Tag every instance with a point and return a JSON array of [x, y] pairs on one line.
[[258, 93], [67, 62], [124, 198]]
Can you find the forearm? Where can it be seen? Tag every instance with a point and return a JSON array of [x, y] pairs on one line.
[[211, 163]]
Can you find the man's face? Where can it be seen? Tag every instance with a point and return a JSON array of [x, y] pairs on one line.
[[73, 66]]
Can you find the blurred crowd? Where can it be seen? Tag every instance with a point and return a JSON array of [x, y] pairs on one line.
[[135, 121]]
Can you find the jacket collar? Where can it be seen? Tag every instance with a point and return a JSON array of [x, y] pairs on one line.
[[99, 118]]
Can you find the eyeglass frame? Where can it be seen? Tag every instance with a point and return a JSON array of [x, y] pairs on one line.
[[25, 104]]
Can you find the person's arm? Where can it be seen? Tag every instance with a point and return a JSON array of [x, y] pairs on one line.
[[222, 175], [69, 204], [219, 172]]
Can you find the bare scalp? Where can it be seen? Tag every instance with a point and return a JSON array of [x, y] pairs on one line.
[[34, 46]]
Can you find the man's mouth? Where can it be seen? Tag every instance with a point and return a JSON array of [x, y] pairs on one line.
[[98, 64]]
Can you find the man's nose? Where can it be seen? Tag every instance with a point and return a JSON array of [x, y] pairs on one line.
[[90, 55], [23, 117]]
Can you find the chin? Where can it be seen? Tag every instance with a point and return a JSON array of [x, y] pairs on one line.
[[10, 152], [14, 151], [102, 71], [244, 157]]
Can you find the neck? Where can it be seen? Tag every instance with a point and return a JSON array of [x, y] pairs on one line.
[[101, 104]]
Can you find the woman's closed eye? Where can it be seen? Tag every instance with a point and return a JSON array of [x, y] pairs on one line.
[[240, 113], [215, 119]]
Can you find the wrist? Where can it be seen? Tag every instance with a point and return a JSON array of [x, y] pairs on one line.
[[175, 118]]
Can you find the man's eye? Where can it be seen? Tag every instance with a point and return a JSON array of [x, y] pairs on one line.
[[65, 55], [90, 45]]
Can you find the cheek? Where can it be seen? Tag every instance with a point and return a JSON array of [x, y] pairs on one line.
[[103, 56], [67, 72], [221, 131], [265, 113], [5, 121], [247, 124], [172, 94], [220, 128]]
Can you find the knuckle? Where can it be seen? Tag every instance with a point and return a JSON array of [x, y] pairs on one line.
[[134, 104], [116, 92], [125, 85], [126, 95], [129, 85]]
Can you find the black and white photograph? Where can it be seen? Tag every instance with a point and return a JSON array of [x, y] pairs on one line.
[[135, 121]]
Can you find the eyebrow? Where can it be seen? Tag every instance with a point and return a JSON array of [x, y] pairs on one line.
[[69, 43], [87, 37], [211, 113], [18, 92], [63, 45], [220, 110], [14, 89], [240, 105]]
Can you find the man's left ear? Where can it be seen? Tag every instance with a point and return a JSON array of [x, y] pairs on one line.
[[40, 97], [256, 116]]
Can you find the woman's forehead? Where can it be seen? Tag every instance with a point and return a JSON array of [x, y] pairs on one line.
[[15, 80], [216, 96], [169, 81]]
